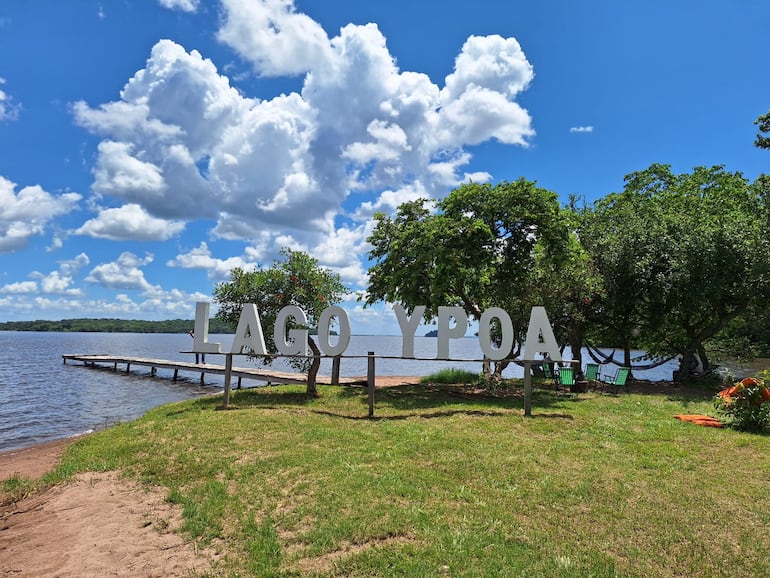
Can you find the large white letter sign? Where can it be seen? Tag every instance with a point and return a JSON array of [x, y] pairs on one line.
[[296, 342], [201, 332], [445, 332], [540, 338], [323, 331], [485, 337], [408, 327], [249, 332]]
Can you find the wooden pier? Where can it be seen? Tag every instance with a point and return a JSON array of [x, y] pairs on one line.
[[258, 374]]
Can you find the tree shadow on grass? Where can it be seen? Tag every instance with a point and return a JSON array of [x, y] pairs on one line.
[[427, 397], [672, 391], [423, 400]]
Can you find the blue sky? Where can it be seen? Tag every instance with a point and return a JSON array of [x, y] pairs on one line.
[[147, 147]]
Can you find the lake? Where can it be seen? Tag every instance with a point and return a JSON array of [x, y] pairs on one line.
[[42, 399]]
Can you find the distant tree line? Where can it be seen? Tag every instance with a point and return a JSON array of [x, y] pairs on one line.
[[114, 326]]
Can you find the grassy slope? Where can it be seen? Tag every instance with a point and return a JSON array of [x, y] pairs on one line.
[[457, 485]]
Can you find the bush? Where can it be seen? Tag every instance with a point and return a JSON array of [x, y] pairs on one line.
[[746, 405], [452, 375]]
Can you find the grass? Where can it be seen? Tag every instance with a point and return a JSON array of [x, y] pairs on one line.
[[452, 375], [447, 482]]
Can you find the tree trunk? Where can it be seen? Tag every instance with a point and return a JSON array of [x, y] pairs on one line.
[[704, 359], [486, 370], [315, 365]]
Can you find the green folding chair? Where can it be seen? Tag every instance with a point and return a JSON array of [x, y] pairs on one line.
[[620, 379], [591, 374], [567, 377]]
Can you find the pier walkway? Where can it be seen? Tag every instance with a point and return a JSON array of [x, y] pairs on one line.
[[258, 374]]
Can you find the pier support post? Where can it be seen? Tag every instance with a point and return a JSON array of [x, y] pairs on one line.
[[370, 382]]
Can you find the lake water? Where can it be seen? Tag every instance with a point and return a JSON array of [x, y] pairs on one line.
[[42, 399]]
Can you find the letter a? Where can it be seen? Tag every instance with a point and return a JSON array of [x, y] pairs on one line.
[[540, 338], [249, 332]]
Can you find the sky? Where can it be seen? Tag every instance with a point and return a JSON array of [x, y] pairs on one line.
[[148, 147]]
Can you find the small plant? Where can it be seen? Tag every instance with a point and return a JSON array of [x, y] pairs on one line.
[[452, 375], [746, 405]]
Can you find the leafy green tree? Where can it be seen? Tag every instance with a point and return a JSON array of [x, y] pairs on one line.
[[681, 255], [615, 234], [569, 288], [763, 122], [474, 249], [295, 279]]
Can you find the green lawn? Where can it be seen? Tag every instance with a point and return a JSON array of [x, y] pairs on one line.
[[445, 482]]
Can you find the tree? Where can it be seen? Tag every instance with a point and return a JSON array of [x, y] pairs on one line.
[[681, 255], [474, 249], [569, 289], [763, 121], [296, 279]]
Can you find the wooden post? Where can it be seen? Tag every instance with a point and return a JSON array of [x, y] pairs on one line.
[[336, 370], [228, 377], [370, 382], [528, 389], [176, 373]]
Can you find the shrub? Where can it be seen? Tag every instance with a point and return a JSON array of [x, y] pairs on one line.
[[452, 375], [746, 405]]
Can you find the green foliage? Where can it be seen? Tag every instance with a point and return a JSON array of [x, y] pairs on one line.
[[763, 121], [295, 279], [745, 406], [680, 255], [478, 247], [451, 375]]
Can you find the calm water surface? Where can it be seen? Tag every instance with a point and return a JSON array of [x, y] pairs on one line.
[[42, 399]]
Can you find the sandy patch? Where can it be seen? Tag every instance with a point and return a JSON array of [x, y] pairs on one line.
[[97, 525]]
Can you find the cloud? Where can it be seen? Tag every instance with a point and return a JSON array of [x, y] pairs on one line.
[[57, 283], [20, 288], [9, 110], [183, 5], [125, 273], [130, 223], [578, 129], [183, 144], [274, 37], [28, 213], [201, 258]]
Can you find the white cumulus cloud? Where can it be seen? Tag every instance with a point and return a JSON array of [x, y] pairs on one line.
[[202, 258], [28, 212], [130, 222], [182, 143], [183, 5], [124, 273]]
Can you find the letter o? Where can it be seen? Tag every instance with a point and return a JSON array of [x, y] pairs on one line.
[[323, 331], [485, 333]]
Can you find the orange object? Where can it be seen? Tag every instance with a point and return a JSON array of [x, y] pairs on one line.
[[704, 420]]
